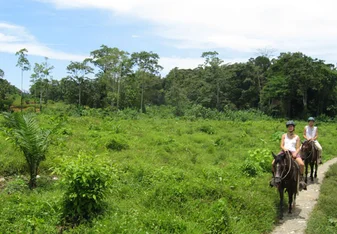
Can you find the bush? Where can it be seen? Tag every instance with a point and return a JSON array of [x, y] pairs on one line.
[[87, 181], [207, 129], [258, 161], [117, 144]]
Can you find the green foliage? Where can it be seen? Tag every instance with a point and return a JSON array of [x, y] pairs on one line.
[[87, 181], [324, 217], [220, 218], [258, 161], [16, 185], [24, 131], [207, 129], [170, 180], [117, 144], [277, 136]]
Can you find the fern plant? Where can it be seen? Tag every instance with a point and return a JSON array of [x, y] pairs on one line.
[[24, 131]]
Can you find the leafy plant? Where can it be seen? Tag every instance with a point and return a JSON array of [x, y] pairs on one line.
[[33, 141], [87, 181], [219, 221], [207, 129], [257, 161], [117, 144]]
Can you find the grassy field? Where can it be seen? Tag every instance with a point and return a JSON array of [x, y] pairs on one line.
[[324, 217], [170, 175]]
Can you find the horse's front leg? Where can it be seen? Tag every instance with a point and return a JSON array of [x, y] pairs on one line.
[[316, 168], [281, 201], [312, 171], [290, 198], [306, 171]]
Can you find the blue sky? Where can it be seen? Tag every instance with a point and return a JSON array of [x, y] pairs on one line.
[[178, 30]]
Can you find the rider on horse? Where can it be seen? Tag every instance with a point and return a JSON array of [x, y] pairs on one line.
[[310, 133], [291, 142]]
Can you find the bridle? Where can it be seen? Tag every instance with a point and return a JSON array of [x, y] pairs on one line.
[[308, 155], [284, 168]]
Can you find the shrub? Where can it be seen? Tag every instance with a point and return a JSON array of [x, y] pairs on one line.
[[258, 161], [207, 129], [87, 181], [24, 131], [117, 144]]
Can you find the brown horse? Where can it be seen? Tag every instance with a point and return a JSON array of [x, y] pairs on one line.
[[286, 176], [309, 155]]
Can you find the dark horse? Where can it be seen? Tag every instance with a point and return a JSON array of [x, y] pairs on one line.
[[286, 176], [309, 155]]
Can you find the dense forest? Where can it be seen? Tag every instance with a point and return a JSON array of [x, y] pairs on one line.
[[290, 85]]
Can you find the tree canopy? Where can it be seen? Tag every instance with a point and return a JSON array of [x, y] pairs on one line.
[[290, 85]]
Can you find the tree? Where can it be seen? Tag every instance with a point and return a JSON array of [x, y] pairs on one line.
[[78, 72], [147, 64], [114, 65], [40, 80], [24, 64], [212, 64], [7, 94], [2, 74], [26, 134]]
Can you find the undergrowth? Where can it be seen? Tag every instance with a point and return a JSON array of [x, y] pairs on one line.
[[171, 175]]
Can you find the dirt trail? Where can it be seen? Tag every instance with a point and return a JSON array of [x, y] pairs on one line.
[[306, 200]]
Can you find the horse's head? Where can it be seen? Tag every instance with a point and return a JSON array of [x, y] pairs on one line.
[[279, 166], [307, 146]]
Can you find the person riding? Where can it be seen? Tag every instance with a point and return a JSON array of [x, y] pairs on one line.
[[291, 143], [310, 133]]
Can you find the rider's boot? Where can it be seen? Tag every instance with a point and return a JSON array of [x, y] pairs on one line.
[[303, 185]]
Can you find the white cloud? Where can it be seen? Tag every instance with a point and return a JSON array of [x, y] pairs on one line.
[[242, 25], [15, 37]]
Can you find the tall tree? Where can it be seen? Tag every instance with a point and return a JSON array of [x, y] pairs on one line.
[[147, 64], [40, 80], [2, 74], [212, 64], [78, 72], [24, 64], [113, 66]]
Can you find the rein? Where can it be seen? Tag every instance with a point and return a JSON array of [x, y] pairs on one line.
[[289, 156]]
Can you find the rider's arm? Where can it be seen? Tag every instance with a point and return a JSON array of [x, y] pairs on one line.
[[282, 143], [305, 133], [298, 145]]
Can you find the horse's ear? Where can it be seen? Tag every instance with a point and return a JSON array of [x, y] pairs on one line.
[[273, 155]]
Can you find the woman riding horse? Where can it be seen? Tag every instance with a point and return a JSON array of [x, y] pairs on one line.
[[291, 142], [310, 133]]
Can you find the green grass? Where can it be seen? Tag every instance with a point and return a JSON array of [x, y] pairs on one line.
[[324, 217], [173, 175]]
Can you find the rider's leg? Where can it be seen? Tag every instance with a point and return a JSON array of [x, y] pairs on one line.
[[303, 185], [301, 164], [319, 149]]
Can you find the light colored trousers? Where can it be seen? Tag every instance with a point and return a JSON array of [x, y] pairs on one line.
[[319, 148]]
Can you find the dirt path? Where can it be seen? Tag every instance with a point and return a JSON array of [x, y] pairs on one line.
[[306, 200]]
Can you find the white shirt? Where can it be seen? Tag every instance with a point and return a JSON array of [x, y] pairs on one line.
[[310, 131], [290, 144]]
